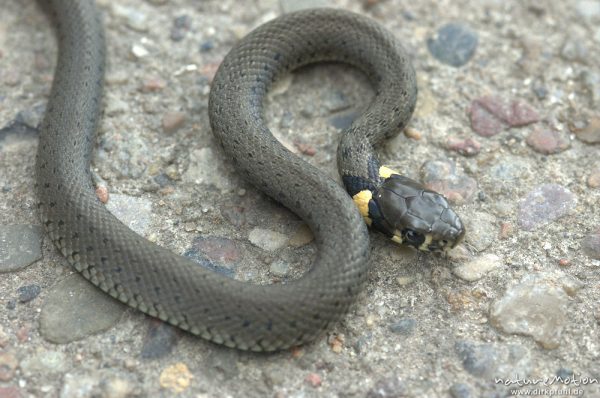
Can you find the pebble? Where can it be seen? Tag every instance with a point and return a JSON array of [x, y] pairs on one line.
[[574, 50], [173, 121], [279, 268], [236, 215], [102, 193], [544, 204], [589, 132], [453, 44], [313, 380], [28, 292], [8, 366], [21, 246], [176, 377], [153, 84], [478, 359], [478, 267], [481, 230], [139, 51], [219, 249], [31, 117], [45, 362], [134, 18], [536, 307], [591, 245], [467, 147], [442, 176], [304, 148], [159, 341], [302, 236], [266, 239], [547, 141], [18, 130], [4, 338], [181, 26], [590, 80], [343, 120], [75, 309], [197, 256], [460, 390], [388, 387], [79, 385], [593, 179], [10, 392], [206, 46], [135, 212], [491, 115], [118, 387], [405, 326], [565, 373]]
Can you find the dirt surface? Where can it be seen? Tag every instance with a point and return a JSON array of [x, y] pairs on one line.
[[507, 127]]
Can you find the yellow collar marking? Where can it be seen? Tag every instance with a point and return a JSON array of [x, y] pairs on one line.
[[397, 238], [361, 200], [425, 244], [386, 172]]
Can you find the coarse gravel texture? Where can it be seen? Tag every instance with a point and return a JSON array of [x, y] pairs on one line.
[[507, 126]]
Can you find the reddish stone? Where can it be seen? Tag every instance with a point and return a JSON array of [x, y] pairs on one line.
[[521, 114], [10, 392], [490, 115], [466, 147], [483, 122], [153, 84], [313, 379], [304, 148], [588, 131], [547, 141], [218, 249], [593, 180]]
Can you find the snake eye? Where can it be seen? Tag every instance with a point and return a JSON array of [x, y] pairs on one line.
[[413, 238]]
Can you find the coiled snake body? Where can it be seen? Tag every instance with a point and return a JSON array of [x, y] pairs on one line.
[[173, 288]]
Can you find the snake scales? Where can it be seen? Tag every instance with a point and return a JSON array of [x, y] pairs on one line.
[[171, 287]]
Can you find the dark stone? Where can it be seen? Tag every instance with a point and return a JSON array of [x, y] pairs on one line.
[[479, 360], [159, 340], [454, 44], [591, 245], [404, 326], [207, 45], [565, 373], [460, 390], [215, 253], [343, 120], [28, 293]]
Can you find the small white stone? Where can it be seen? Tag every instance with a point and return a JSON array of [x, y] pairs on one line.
[[478, 267], [267, 239]]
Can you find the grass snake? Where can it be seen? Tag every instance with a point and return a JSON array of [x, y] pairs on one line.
[[175, 289]]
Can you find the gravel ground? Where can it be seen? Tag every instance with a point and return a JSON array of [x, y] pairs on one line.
[[507, 127]]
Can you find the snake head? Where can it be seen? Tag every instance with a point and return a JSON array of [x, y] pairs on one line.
[[412, 215]]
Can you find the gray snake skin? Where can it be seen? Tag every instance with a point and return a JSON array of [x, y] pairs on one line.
[[173, 288]]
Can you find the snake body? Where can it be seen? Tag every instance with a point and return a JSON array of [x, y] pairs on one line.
[[173, 288]]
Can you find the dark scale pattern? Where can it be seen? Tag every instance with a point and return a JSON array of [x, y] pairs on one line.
[[170, 287]]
